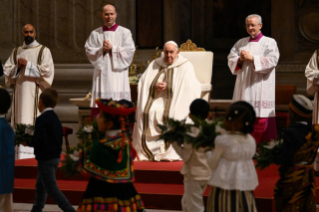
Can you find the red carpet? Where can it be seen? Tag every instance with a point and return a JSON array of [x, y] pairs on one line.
[[159, 183]]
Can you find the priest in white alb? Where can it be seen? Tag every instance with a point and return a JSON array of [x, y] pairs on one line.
[[29, 70], [165, 90], [110, 49], [253, 60], [312, 74]]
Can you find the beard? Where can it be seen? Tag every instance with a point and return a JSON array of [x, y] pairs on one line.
[[28, 39]]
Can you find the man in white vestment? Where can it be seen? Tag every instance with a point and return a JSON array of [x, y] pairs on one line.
[[253, 60], [165, 90], [29, 70], [312, 74], [110, 49]]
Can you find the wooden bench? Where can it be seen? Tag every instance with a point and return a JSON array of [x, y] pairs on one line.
[[67, 131], [284, 94]]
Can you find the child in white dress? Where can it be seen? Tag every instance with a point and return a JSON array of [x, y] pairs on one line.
[[234, 176]]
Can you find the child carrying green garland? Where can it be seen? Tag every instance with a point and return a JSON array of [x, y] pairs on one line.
[[296, 188], [195, 170], [109, 161]]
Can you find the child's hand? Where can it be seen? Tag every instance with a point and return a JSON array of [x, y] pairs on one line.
[[24, 143]]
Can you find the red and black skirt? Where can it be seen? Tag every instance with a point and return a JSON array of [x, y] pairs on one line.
[[104, 196]]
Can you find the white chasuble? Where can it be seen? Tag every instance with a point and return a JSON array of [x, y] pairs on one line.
[[28, 83], [255, 82], [312, 74], [154, 107], [110, 78]]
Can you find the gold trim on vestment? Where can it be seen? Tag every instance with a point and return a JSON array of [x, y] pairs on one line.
[[36, 101], [15, 53], [15, 60], [42, 78], [148, 105], [169, 96], [172, 67], [36, 98], [13, 107], [169, 93], [40, 56], [31, 47]]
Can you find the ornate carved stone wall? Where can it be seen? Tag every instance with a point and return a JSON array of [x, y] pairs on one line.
[[62, 25], [307, 25], [295, 28]]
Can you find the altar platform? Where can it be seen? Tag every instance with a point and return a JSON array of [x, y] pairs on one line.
[[159, 183]]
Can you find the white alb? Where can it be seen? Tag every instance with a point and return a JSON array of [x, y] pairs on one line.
[[255, 82], [110, 78]]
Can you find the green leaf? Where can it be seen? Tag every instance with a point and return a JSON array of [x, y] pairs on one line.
[[265, 156]]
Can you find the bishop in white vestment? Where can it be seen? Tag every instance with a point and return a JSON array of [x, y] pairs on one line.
[[253, 60], [165, 90], [312, 74], [29, 70], [110, 49]]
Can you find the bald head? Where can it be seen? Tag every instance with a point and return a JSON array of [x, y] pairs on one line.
[[109, 15], [28, 33], [108, 7], [28, 27]]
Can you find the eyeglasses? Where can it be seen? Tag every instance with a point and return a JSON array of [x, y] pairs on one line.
[[251, 25]]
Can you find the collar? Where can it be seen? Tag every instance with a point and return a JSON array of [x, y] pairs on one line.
[[301, 122], [112, 133], [256, 38], [47, 109], [179, 60], [2, 116], [112, 28], [33, 44]]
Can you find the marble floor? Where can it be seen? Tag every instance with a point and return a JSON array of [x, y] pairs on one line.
[[23, 207]]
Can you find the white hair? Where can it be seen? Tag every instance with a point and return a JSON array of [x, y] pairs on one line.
[[171, 42], [254, 15]]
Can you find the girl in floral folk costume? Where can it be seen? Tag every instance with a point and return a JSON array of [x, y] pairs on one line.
[[109, 161], [234, 176]]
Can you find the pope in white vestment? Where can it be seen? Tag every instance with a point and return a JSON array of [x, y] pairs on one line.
[[253, 60], [312, 74], [28, 83], [110, 78], [154, 106]]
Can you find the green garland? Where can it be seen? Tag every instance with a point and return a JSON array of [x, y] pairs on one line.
[[174, 130], [88, 132], [71, 162], [179, 131], [208, 133], [23, 133], [267, 152]]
